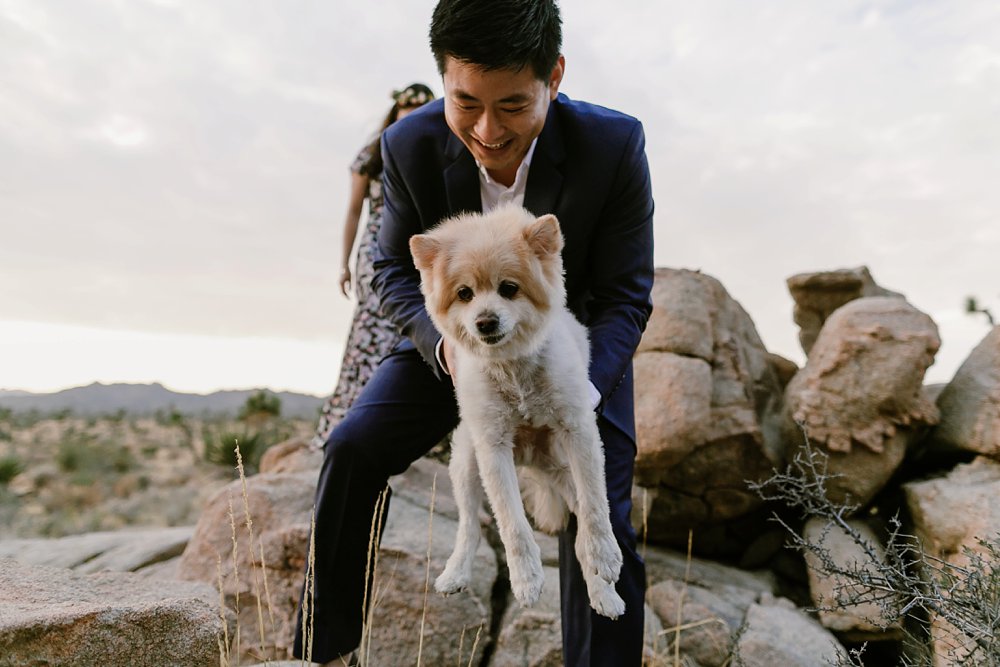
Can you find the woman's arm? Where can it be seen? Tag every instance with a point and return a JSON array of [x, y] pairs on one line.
[[359, 189]]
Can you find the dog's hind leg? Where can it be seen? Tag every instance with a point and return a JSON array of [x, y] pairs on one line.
[[496, 467], [468, 492]]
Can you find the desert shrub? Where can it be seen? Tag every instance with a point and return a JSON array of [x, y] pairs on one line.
[[26, 419], [69, 455], [907, 584], [90, 458], [220, 448], [972, 307], [261, 406], [171, 417], [10, 467]]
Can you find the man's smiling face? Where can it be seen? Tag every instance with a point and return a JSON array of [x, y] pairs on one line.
[[498, 113]]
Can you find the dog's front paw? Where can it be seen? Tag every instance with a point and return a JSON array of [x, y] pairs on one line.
[[452, 580], [605, 555], [606, 601], [526, 580]]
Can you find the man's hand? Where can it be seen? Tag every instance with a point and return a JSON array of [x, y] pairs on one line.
[[345, 281]]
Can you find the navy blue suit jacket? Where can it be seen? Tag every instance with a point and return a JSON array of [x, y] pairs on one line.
[[589, 169]]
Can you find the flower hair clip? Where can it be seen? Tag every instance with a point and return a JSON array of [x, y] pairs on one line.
[[410, 97]]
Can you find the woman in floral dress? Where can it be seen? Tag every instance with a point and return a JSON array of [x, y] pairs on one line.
[[372, 336]]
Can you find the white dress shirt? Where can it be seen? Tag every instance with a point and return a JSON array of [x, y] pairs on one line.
[[494, 194]]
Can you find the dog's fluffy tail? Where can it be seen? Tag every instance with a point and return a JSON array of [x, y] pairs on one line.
[[543, 501]]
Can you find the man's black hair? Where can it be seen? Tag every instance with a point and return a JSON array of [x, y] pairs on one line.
[[498, 34]]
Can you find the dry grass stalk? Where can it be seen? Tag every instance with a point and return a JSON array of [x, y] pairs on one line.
[[253, 569], [680, 602], [645, 520], [308, 607], [224, 656], [427, 574], [652, 659], [267, 589], [371, 568], [236, 569], [475, 643], [688, 626]]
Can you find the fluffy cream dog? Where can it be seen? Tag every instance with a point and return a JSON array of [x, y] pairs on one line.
[[493, 285]]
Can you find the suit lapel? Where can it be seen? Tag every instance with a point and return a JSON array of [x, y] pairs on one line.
[[461, 179], [545, 176]]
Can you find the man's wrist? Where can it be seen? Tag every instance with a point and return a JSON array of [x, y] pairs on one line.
[[595, 396]]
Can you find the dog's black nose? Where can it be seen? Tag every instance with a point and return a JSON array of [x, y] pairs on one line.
[[487, 324]]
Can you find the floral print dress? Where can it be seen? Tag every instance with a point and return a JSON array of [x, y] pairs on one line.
[[372, 336]]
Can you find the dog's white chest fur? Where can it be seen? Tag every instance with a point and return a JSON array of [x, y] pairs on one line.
[[519, 385], [524, 386]]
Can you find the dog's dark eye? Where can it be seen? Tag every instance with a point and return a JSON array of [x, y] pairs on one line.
[[465, 293], [508, 290]]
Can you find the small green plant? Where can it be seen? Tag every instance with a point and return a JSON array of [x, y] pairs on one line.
[[69, 456], [91, 458], [10, 467], [220, 448], [260, 405], [171, 417], [26, 419], [972, 307]]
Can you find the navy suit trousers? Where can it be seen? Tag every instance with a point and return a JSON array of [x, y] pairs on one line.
[[399, 416]]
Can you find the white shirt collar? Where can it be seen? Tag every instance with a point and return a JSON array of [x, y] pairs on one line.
[[493, 193]]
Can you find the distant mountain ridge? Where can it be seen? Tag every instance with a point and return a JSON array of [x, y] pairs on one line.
[[146, 399]]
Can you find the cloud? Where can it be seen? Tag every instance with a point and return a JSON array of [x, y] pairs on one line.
[[181, 167]]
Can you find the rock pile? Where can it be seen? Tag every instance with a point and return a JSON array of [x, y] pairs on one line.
[[860, 395], [714, 411], [707, 410]]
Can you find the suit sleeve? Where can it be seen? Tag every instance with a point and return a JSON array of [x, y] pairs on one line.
[[396, 279], [621, 267]]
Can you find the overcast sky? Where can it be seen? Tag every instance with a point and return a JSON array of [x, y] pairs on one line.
[[173, 173]]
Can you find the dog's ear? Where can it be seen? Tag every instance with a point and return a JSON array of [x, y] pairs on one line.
[[544, 236], [424, 249]]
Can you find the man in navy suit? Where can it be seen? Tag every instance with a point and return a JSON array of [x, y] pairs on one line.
[[501, 133]]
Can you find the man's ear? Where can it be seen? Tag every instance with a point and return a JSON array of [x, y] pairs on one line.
[[544, 236], [556, 77], [424, 249]]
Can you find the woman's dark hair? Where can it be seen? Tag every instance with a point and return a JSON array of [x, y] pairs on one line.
[[413, 96], [498, 34]]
